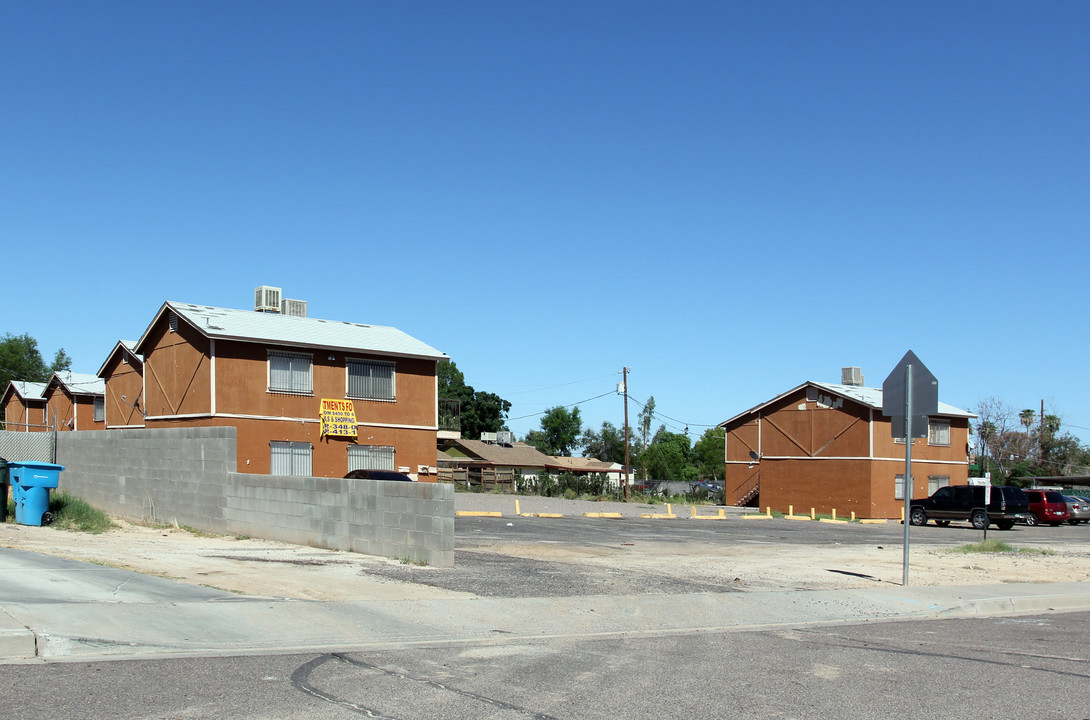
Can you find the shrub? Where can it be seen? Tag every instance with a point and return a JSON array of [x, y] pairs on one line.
[[73, 513]]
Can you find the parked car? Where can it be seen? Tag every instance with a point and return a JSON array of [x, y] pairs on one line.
[[966, 502], [1046, 506], [649, 487], [378, 475], [707, 486], [1078, 508]]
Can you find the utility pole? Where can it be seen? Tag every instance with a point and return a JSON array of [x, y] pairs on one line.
[[624, 373]]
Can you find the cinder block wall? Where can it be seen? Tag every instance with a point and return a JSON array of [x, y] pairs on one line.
[[188, 476]]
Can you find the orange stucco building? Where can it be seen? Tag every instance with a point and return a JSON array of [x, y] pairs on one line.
[[24, 406], [829, 447], [74, 401], [268, 373], [123, 377]]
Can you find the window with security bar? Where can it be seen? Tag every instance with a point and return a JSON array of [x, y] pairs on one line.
[[371, 380], [290, 458], [370, 457], [291, 373]]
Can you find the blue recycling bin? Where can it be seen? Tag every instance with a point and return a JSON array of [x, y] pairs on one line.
[[30, 486], [3, 490]]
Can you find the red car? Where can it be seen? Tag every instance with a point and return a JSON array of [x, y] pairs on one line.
[[1046, 506]]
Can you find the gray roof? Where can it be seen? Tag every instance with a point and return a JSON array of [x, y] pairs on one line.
[[29, 390], [869, 397], [80, 383], [290, 330]]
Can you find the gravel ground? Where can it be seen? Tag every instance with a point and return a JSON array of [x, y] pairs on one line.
[[516, 567]]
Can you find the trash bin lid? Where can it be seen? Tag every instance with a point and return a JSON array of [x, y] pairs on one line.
[[35, 464]]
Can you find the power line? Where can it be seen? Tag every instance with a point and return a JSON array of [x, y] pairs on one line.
[[523, 417]]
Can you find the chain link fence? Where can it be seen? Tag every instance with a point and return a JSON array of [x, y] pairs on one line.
[[30, 443]]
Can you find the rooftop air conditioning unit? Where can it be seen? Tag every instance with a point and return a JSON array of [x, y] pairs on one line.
[[488, 437], [295, 308], [851, 376], [505, 437], [267, 299]]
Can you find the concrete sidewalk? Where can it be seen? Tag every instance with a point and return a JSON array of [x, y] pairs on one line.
[[77, 611]]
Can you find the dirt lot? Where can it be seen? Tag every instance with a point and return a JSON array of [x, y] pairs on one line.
[[273, 569]]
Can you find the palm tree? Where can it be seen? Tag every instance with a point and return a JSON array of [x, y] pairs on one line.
[[1027, 417]]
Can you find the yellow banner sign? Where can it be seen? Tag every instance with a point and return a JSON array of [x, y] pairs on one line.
[[338, 418]]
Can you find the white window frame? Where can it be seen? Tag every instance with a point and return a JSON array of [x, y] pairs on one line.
[[934, 482], [899, 486], [936, 429], [297, 383], [296, 458], [367, 382], [99, 408], [371, 457]]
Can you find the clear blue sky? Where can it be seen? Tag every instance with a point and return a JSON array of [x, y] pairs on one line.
[[731, 198]]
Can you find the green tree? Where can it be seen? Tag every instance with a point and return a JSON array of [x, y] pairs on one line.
[[646, 416], [1061, 453], [606, 444], [709, 453], [559, 433], [1027, 417], [669, 457], [479, 411], [20, 359]]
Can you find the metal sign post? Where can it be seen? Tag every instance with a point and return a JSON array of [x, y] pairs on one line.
[[909, 389], [906, 486]]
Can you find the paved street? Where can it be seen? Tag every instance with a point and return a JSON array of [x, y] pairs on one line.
[[511, 635], [971, 668]]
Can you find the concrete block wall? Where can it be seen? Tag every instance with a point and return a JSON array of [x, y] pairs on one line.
[[413, 521], [188, 476]]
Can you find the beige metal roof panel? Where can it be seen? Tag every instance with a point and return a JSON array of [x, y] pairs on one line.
[[279, 329]]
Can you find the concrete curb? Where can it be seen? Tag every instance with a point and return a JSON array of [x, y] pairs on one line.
[[82, 631], [17, 642]]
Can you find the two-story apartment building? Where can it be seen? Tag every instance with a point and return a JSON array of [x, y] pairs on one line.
[[827, 446], [307, 396]]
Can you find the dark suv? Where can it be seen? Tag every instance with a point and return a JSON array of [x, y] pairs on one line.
[[966, 502]]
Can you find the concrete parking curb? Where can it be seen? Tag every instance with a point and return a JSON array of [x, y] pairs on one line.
[[17, 642]]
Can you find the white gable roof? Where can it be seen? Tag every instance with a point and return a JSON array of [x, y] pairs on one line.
[[290, 330], [29, 390], [80, 383], [868, 397]]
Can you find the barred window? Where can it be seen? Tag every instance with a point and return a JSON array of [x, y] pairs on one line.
[[291, 373], [290, 458], [370, 457], [371, 380]]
